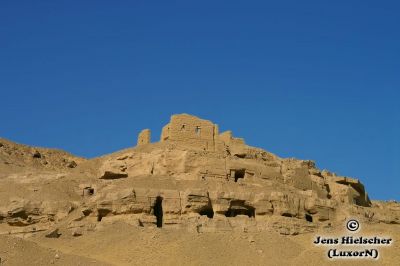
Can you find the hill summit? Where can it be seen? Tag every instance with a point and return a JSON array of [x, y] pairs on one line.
[[194, 179]]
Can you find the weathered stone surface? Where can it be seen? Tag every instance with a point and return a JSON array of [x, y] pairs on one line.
[[113, 170], [194, 178], [144, 137]]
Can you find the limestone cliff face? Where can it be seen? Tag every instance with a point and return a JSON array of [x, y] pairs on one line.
[[194, 178]]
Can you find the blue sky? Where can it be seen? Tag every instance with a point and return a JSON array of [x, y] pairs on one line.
[[313, 80]]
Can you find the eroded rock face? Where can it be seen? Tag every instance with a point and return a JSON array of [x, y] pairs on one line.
[[113, 170], [23, 213], [201, 180]]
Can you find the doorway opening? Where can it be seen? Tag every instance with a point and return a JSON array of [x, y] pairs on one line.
[[240, 173], [158, 211], [207, 211]]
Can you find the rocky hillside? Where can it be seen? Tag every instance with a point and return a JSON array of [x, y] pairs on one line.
[[17, 157], [195, 180]]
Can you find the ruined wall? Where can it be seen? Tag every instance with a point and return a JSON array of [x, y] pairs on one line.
[[228, 139], [144, 137], [226, 136], [236, 146], [200, 134], [191, 130]]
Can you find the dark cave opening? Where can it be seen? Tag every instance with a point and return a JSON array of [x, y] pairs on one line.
[[158, 211], [102, 213], [239, 174], [88, 191], [239, 208], [208, 211], [308, 217]]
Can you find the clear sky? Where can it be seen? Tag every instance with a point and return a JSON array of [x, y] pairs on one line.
[[313, 80]]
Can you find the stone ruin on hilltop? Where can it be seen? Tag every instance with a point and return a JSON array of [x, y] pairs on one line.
[[196, 133], [219, 181], [199, 179]]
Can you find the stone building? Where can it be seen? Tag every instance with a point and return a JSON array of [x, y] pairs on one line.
[[191, 130], [197, 133]]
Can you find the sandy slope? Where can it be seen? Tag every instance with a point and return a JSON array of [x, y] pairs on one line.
[[118, 243]]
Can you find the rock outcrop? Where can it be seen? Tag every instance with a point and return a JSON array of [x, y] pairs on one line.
[[194, 178]]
